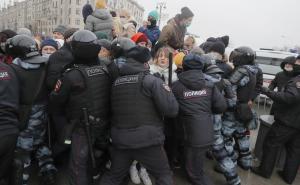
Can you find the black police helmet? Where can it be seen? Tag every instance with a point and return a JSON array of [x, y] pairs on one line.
[[242, 56], [21, 46], [84, 45]]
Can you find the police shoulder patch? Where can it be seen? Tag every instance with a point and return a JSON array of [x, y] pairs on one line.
[[298, 85], [4, 75], [57, 86], [166, 87]]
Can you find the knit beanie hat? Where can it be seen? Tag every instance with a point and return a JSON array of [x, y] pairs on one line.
[[225, 40], [178, 59], [140, 54], [186, 13], [105, 43], [60, 29], [101, 4], [217, 47], [69, 32], [154, 14], [49, 42], [101, 35], [139, 37], [87, 10], [192, 61]]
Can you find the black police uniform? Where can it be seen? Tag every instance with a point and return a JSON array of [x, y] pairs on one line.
[[139, 102], [284, 132], [198, 100], [86, 85], [9, 107]]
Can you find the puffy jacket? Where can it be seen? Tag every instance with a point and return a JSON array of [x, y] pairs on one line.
[[152, 33], [100, 20], [173, 34], [198, 100]]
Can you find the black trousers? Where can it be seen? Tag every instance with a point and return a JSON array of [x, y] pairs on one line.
[[194, 164], [7, 147], [153, 158], [279, 136]]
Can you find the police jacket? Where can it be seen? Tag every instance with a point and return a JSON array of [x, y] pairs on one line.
[[198, 99], [58, 63], [139, 103], [244, 77], [84, 86], [9, 100], [288, 103]]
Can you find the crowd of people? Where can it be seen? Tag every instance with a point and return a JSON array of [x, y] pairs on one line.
[[114, 101]]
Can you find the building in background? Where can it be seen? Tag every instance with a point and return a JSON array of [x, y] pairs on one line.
[[42, 16]]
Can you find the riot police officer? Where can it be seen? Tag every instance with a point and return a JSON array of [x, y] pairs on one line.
[[285, 131], [225, 165], [198, 100], [9, 107], [30, 68], [139, 102], [235, 123], [84, 90]]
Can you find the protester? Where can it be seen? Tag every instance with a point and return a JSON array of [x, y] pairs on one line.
[[140, 39], [173, 33], [100, 20], [189, 43], [48, 47], [58, 32], [117, 28], [87, 10], [151, 29]]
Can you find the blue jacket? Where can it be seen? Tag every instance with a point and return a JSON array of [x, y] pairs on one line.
[[152, 33]]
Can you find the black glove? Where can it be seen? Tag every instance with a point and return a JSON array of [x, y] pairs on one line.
[[264, 90]]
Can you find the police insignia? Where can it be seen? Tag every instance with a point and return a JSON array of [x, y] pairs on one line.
[[57, 86], [298, 85], [166, 87], [4, 75]]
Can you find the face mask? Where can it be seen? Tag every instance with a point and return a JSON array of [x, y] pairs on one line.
[[46, 55], [288, 69], [296, 69], [123, 20], [188, 24]]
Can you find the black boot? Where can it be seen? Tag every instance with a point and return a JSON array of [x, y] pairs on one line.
[[259, 172], [49, 177], [16, 177]]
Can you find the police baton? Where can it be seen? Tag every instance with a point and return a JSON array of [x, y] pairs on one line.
[[89, 139], [170, 69]]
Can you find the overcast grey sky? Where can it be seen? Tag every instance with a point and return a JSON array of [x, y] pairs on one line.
[[256, 23]]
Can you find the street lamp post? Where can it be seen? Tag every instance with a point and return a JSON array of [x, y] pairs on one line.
[[161, 6]]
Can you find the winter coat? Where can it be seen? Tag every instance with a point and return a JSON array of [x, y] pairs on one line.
[[288, 103], [163, 73], [57, 63], [100, 20], [152, 33], [198, 100], [173, 34], [153, 89]]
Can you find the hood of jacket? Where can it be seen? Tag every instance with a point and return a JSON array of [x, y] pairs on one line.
[[192, 79], [102, 14]]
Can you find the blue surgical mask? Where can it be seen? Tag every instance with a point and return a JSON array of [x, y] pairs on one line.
[[46, 55]]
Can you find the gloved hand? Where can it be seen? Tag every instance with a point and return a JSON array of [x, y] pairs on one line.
[[264, 90]]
